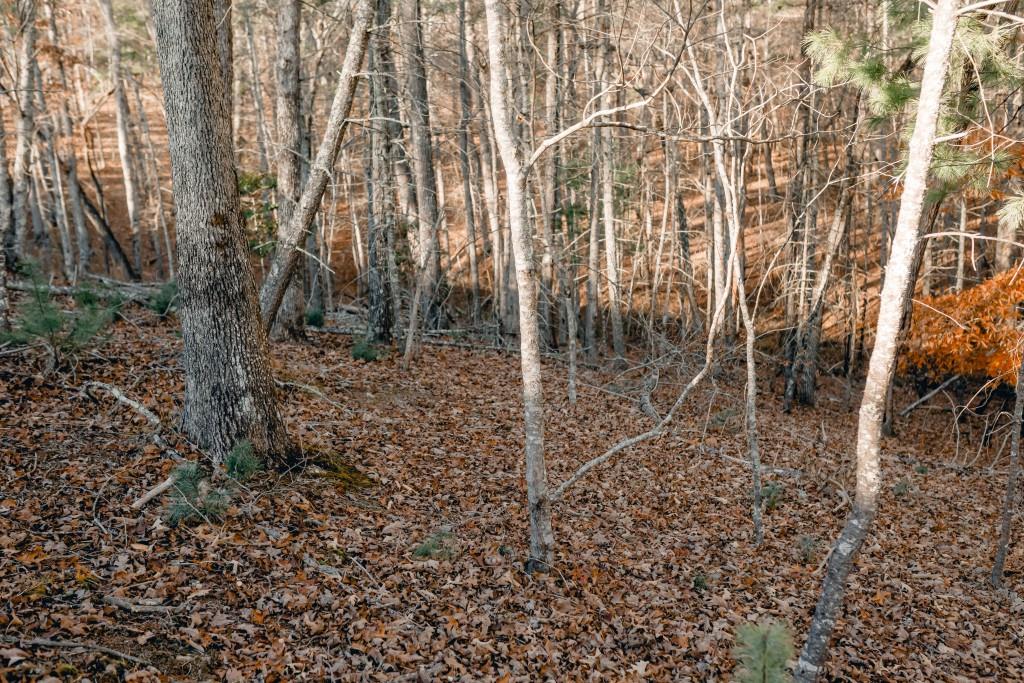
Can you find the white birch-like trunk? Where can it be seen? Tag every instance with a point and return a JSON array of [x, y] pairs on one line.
[[883, 357], [512, 158]]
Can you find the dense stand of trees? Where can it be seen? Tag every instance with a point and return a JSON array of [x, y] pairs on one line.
[[590, 177]]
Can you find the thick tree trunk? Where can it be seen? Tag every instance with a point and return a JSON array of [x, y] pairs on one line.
[[290, 319], [229, 389], [510, 148], [287, 254], [380, 194], [895, 291]]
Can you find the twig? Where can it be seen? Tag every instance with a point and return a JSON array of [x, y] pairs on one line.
[[140, 609], [46, 642], [924, 399], [158, 439]]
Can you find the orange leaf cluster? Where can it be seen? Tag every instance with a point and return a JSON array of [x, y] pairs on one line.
[[976, 332]]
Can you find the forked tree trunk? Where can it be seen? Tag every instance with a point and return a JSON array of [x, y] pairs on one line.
[[290, 318], [229, 389], [510, 148], [895, 291], [287, 254]]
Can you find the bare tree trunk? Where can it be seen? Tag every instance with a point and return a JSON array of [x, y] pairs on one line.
[[70, 161], [895, 291], [510, 147], [131, 196], [290, 319], [229, 389], [24, 127], [465, 115], [961, 243], [6, 219], [287, 254], [380, 192], [421, 151], [1003, 545]]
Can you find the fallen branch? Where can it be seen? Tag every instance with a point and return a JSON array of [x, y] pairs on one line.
[[158, 439], [46, 642], [924, 399], [140, 608]]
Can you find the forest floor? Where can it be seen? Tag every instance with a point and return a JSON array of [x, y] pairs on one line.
[[407, 563]]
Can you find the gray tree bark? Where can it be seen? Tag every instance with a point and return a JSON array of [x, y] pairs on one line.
[[131, 195], [24, 127], [229, 390], [512, 158], [291, 316], [895, 292], [287, 253]]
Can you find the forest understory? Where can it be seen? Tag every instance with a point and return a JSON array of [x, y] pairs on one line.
[[397, 551]]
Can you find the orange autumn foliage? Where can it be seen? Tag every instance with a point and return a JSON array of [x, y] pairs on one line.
[[976, 333]]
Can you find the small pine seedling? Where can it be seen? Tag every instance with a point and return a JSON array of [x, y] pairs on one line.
[[165, 300], [771, 494], [700, 582], [192, 500], [241, 463], [366, 351], [901, 489], [762, 651], [438, 546], [315, 317]]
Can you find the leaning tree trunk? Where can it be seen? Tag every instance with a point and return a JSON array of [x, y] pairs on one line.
[[510, 149], [895, 291], [131, 194], [289, 322], [229, 388], [287, 254]]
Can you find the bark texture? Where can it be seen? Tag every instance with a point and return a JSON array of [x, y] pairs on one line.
[[229, 389], [512, 158], [294, 234], [895, 292]]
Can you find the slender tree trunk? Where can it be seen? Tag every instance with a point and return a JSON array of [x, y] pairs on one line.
[[287, 254], [6, 218], [421, 151], [895, 291], [131, 195], [229, 389], [290, 319], [24, 127], [465, 116], [961, 243], [1003, 545], [510, 148]]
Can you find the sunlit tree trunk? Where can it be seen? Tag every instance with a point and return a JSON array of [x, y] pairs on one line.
[[131, 194], [511, 151], [24, 127], [895, 291]]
